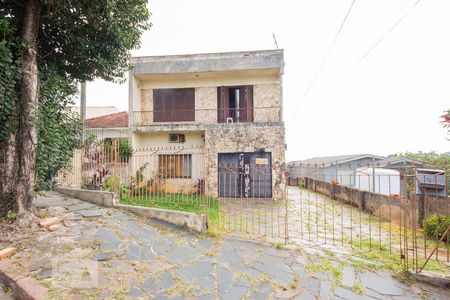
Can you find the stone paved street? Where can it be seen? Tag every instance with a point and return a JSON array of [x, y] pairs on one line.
[[109, 254], [4, 293]]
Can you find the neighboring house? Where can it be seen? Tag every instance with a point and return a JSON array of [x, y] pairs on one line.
[[341, 168], [113, 126], [399, 163], [225, 108], [96, 111]]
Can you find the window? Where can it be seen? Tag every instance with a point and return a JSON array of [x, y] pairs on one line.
[[235, 104], [175, 165], [173, 105]]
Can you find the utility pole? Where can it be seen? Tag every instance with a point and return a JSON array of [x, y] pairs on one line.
[[83, 107]]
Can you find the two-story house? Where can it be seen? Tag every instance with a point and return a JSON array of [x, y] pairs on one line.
[[223, 107]]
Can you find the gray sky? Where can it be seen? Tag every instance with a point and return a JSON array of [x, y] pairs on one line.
[[388, 102]]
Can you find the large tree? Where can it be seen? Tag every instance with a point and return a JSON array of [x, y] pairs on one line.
[[72, 40]]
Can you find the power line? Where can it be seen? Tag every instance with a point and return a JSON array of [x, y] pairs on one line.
[[329, 49], [316, 74], [386, 33]]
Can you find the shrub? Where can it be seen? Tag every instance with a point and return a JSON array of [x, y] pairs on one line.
[[11, 216], [200, 187], [436, 225], [125, 150]]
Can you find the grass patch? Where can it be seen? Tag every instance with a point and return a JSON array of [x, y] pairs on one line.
[[326, 266], [358, 287], [188, 203], [405, 276]]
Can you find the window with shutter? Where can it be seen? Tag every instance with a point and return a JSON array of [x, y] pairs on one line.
[[235, 104], [173, 105]]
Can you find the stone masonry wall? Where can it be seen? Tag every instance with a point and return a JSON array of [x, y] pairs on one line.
[[268, 97], [146, 106], [250, 137], [206, 104]]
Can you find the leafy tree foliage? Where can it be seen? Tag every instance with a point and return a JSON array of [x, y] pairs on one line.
[[10, 72], [47, 47], [58, 128]]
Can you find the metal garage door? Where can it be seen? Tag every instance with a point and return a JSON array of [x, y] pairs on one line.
[[245, 174]]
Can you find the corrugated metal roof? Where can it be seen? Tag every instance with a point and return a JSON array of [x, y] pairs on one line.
[[328, 160], [399, 160]]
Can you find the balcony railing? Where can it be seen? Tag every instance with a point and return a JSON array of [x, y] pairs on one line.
[[207, 116]]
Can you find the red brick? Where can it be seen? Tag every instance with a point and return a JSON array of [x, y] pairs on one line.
[[46, 222], [7, 252], [54, 227]]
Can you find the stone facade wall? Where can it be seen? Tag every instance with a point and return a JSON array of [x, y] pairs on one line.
[[229, 138], [268, 97], [147, 99], [146, 117], [206, 104]]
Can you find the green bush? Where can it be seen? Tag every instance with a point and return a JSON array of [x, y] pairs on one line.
[[436, 225], [125, 150]]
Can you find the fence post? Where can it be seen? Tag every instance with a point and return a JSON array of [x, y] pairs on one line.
[[421, 210], [362, 197], [116, 156]]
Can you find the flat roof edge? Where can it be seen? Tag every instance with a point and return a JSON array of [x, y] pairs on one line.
[[209, 62]]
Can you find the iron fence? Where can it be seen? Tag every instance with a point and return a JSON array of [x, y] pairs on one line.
[[403, 214]]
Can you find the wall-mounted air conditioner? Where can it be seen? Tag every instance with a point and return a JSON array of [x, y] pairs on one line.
[[177, 138]]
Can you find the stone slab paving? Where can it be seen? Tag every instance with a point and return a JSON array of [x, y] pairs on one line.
[[5, 294], [110, 254]]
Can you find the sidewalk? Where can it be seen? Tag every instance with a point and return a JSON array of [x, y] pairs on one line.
[[101, 253]]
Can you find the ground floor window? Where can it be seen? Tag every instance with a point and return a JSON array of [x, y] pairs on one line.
[[175, 165]]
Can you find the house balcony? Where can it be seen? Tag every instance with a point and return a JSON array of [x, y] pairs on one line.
[[199, 119]]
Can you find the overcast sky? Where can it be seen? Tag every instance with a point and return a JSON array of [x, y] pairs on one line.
[[389, 101]]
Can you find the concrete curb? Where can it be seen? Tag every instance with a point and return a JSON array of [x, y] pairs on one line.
[[432, 278], [192, 221], [102, 198], [22, 286]]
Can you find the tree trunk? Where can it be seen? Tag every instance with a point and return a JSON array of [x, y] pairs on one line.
[[25, 137]]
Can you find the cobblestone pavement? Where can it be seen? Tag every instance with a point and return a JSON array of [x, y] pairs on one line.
[[314, 219], [108, 254], [4, 293]]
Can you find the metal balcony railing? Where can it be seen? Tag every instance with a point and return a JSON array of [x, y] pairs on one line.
[[207, 116]]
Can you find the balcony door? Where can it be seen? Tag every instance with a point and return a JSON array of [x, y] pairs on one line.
[[235, 104], [173, 105]]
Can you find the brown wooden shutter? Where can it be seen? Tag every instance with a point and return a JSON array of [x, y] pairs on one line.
[[246, 104], [250, 105], [173, 105], [223, 104]]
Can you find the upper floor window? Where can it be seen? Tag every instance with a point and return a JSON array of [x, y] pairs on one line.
[[173, 105], [235, 104]]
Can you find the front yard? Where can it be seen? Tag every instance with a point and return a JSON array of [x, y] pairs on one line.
[[190, 203]]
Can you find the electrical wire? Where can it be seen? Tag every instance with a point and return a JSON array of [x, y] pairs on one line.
[[402, 17], [323, 62]]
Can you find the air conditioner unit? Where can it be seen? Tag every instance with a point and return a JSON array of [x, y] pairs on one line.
[[177, 138], [229, 120]]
